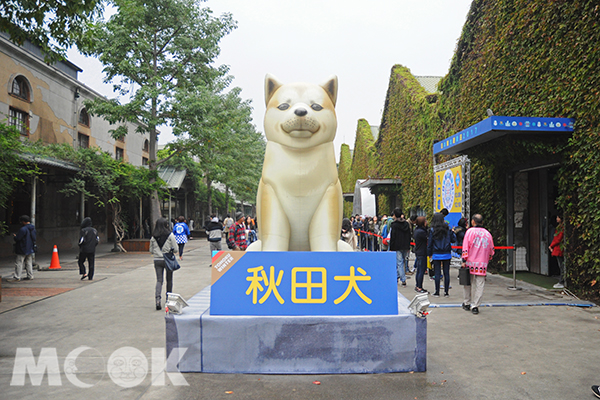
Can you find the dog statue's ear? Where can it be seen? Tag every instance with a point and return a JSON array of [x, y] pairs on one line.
[[331, 87], [271, 85]]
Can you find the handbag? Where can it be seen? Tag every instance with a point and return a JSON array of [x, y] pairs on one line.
[[171, 261], [464, 276]]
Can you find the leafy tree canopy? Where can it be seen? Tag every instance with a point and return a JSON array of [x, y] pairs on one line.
[[150, 49], [53, 25], [12, 168], [216, 129]]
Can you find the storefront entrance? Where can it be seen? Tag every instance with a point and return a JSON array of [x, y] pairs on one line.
[[533, 200], [531, 189]]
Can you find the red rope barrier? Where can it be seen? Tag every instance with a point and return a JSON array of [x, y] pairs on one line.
[[454, 247]]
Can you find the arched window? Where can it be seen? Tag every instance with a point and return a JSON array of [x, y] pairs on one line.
[[84, 118], [146, 145], [20, 88]]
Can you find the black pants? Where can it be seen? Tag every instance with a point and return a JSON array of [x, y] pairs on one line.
[[90, 258], [180, 245], [438, 265]]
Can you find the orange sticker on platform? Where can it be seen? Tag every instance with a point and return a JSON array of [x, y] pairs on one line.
[[222, 262]]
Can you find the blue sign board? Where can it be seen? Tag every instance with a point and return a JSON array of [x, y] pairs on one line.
[[304, 283], [496, 126]]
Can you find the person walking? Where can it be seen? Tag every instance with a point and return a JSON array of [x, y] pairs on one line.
[[181, 232], [214, 232], [477, 251], [88, 240], [237, 234], [24, 249], [162, 241], [420, 236], [400, 243], [439, 248], [556, 249]]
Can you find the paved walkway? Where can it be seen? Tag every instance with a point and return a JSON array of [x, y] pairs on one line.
[[509, 352]]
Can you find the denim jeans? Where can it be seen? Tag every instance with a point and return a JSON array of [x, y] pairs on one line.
[[420, 266], [401, 257]]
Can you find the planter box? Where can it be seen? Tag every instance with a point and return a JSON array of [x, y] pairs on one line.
[[136, 245]]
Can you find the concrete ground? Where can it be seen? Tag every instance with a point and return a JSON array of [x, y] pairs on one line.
[[508, 351]]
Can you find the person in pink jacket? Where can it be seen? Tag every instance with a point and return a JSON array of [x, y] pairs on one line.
[[477, 251]]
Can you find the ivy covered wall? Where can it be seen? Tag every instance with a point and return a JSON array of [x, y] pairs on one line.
[[538, 59], [408, 127], [403, 150], [521, 58], [345, 175], [345, 169], [364, 159]]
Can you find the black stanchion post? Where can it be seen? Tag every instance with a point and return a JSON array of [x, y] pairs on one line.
[[514, 286]]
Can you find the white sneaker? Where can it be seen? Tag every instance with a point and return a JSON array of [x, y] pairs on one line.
[[558, 286]]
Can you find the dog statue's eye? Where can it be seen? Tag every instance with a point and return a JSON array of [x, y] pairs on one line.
[[284, 106], [316, 107]]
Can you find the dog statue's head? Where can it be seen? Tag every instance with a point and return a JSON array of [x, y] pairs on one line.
[[300, 115]]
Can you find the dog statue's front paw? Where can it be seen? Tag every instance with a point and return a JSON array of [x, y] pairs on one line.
[[255, 246], [343, 246]]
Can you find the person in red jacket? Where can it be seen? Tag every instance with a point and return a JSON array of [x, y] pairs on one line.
[[556, 247]]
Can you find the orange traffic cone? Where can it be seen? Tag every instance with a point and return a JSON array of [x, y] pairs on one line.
[[55, 264]]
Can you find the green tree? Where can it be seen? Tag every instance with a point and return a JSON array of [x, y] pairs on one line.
[[152, 50], [12, 168], [244, 179], [109, 182], [216, 129], [53, 25]]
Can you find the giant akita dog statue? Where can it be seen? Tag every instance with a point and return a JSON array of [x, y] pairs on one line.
[[299, 200]]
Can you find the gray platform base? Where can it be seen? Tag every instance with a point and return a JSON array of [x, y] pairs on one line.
[[295, 345]]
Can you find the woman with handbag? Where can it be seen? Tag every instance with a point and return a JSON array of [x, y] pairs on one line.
[[163, 241]]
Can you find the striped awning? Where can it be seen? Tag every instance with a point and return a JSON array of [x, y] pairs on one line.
[[172, 176], [49, 162]]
